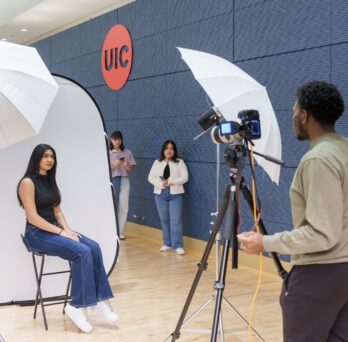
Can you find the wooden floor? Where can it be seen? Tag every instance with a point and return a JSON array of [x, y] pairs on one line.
[[150, 289]]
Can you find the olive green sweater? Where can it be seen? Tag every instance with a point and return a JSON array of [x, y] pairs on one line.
[[319, 203]]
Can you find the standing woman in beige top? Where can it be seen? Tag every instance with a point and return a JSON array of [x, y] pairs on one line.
[[168, 175]]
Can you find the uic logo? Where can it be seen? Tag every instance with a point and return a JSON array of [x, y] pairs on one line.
[[116, 58]]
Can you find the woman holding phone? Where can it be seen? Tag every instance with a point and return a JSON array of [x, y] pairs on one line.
[[168, 175], [122, 162]]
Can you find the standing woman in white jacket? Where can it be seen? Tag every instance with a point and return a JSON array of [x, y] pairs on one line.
[[167, 175]]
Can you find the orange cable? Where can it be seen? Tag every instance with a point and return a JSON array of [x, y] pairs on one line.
[[258, 285]]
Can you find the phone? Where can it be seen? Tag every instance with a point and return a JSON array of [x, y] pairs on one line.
[[122, 158], [162, 178]]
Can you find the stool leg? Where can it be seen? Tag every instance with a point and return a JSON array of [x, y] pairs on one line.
[[39, 293], [67, 289]]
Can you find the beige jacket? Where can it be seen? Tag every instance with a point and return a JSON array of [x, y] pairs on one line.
[[178, 176], [319, 203]]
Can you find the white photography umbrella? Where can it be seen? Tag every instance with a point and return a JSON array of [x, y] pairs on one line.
[[232, 90], [27, 90]]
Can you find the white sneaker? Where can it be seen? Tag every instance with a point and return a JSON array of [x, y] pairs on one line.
[[165, 248], [122, 237], [180, 251], [104, 309], [78, 316]]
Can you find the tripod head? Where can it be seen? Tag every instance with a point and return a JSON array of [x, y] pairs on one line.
[[235, 155]]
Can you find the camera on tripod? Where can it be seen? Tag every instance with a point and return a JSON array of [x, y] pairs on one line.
[[231, 131]]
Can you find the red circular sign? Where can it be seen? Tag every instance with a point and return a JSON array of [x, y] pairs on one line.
[[116, 58]]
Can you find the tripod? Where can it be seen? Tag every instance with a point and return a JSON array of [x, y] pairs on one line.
[[235, 157]]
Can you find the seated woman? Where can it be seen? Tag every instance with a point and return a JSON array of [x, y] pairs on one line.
[[168, 176], [47, 231]]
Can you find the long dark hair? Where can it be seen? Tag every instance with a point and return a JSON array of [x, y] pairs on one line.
[[116, 135], [164, 146], [34, 168]]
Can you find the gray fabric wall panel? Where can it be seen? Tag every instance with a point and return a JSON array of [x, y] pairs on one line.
[[70, 68], [178, 14], [107, 101], [340, 68], [281, 26], [144, 17], [149, 213], [240, 4], [340, 78], [211, 35], [275, 201], [140, 187], [196, 222], [339, 21], [149, 56], [66, 45], [93, 32], [44, 49], [111, 125], [184, 97], [91, 73], [201, 188], [282, 74], [292, 149], [143, 98]]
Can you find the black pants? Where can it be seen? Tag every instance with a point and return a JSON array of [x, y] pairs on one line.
[[314, 301]]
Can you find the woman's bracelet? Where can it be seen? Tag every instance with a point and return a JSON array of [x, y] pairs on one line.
[[61, 231]]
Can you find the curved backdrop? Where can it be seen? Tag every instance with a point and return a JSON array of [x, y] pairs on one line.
[[75, 128]]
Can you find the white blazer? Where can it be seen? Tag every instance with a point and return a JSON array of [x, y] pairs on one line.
[[178, 176]]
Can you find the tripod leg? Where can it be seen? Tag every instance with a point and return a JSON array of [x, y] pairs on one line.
[[202, 266], [219, 286], [221, 324]]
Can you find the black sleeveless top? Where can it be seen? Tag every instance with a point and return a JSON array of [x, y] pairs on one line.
[[45, 198]]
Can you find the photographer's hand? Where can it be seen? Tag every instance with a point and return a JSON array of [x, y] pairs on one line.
[[251, 242]]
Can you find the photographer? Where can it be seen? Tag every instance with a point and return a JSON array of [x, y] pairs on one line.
[[314, 297]]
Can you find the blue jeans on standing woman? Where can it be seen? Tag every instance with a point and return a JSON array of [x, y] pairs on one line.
[[169, 209], [89, 280], [121, 193]]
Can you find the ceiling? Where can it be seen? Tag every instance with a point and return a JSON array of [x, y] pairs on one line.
[[27, 21]]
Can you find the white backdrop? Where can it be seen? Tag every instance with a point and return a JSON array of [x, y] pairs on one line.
[[74, 128]]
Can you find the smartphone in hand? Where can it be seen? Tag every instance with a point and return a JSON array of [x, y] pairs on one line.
[[122, 158]]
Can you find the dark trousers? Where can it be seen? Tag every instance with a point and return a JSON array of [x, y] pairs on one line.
[[314, 301]]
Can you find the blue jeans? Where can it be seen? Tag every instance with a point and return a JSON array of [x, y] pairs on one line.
[[169, 209], [121, 193], [89, 281]]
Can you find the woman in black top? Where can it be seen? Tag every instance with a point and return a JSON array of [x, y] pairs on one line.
[[47, 231]]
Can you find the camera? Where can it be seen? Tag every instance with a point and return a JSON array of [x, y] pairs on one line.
[[233, 132]]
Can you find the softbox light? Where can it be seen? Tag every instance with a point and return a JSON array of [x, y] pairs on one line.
[[74, 127]]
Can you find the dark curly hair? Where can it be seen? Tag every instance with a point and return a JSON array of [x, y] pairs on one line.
[[322, 100]]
